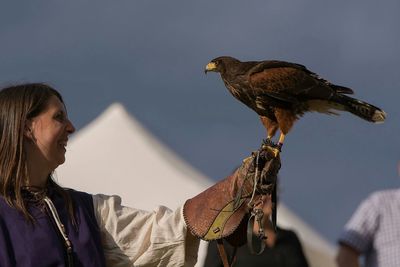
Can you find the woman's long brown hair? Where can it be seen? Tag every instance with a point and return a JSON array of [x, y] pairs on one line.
[[17, 105]]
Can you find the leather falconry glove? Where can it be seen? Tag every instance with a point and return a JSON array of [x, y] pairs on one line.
[[222, 211]]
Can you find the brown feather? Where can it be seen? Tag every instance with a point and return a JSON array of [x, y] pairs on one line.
[[285, 118], [270, 125], [281, 92]]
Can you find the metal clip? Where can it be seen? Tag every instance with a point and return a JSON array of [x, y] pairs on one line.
[[256, 216], [259, 214]]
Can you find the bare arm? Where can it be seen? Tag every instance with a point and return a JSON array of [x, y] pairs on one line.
[[347, 257]]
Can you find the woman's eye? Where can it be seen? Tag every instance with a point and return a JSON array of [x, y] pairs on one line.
[[60, 117]]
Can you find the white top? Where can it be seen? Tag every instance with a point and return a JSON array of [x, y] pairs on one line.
[[133, 237]]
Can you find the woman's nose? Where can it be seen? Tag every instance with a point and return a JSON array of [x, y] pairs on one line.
[[70, 127]]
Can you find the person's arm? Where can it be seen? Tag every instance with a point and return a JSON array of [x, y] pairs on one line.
[[171, 238], [133, 237], [359, 232], [347, 257]]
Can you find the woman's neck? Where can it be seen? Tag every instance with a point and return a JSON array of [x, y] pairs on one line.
[[37, 175], [38, 169]]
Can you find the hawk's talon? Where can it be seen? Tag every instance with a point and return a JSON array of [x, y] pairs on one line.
[[275, 147], [268, 142], [276, 152]]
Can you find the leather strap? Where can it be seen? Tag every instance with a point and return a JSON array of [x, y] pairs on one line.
[[222, 253]]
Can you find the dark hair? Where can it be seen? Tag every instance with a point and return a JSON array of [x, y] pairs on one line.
[[18, 104]]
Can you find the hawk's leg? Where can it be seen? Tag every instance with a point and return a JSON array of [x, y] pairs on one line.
[[281, 139], [277, 148], [270, 125], [268, 142]]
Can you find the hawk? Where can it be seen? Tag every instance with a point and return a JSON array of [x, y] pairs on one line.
[[281, 92]]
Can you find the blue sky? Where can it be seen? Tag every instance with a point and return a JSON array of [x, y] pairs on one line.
[[150, 56]]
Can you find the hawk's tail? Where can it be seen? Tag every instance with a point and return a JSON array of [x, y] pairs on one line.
[[360, 108]]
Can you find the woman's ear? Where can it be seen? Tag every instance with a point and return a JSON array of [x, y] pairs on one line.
[[28, 133]]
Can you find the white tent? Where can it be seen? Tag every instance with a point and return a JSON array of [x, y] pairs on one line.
[[114, 154]]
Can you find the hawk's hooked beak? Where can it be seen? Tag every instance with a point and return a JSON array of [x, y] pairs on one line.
[[210, 67]]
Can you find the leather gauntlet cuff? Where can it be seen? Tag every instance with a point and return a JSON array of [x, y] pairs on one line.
[[218, 211]]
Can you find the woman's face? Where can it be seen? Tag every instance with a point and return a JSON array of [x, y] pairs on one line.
[[49, 132]]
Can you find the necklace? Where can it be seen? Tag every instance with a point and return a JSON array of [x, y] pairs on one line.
[[33, 193]]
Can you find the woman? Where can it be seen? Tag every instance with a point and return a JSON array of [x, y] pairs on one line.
[[42, 224]]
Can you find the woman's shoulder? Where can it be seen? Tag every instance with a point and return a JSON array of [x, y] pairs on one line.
[[80, 196]]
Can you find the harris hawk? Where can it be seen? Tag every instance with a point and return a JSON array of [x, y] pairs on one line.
[[281, 92]]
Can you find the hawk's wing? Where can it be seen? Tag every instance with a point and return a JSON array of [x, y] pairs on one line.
[[289, 82]]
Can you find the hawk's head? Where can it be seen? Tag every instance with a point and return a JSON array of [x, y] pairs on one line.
[[221, 64]]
